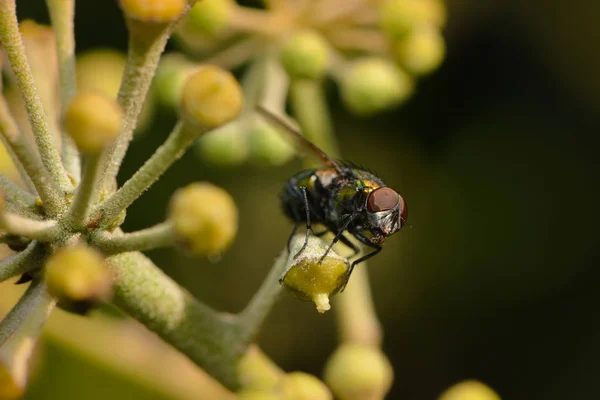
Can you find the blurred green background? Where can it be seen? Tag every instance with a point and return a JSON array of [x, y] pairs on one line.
[[496, 154]]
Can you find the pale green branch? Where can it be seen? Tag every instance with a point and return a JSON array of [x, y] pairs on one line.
[[42, 230], [14, 193], [160, 235], [86, 191], [12, 43], [22, 262]]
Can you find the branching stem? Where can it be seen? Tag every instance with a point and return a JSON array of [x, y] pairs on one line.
[[160, 235], [22, 262], [44, 230]]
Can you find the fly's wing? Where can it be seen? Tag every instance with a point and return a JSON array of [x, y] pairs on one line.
[[305, 142]]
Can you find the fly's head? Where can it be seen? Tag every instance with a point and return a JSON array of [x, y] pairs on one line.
[[386, 213]]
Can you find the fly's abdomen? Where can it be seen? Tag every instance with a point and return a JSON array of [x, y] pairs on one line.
[[292, 198]]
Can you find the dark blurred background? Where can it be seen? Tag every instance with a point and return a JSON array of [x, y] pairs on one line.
[[496, 278]]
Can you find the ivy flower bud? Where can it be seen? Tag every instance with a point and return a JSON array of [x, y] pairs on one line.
[[224, 146], [302, 386], [399, 17], [421, 51], [211, 97], [469, 390], [310, 279], [253, 394], [268, 146], [100, 70], [208, 17], [93, 121], [159, 11], [78, 277], [372, 85], [358, 372], [172, 72], [205, 218], [305, 55]]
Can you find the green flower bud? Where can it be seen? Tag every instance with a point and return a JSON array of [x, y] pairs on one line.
[[224, 146], [302, 386], [305, 55], [158, 11], [421, 51], [172, 72], [310, 280], [93, 121], [254, 394], [256, 371], [399, 17], [372, 85], [469, 390], [208, 17], [268, 146], [358, 372], [211, 97], [205, 218], [78, 277]]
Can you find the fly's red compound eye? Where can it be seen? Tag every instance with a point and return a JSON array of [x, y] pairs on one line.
[[382, 199], [403, 210]]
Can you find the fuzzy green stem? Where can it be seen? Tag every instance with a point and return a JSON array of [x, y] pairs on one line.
[[22, 262], [180, 139], [14, 193], [42, 230], [12, 43], [160, 235], [19, 146], [86, 192], [207, 337]]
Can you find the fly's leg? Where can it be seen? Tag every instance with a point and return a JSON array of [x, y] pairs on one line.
[[339, 234], [308, 229], [350, 245], [363, 239]]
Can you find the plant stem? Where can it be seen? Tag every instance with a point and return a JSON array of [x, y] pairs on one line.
[[180, 139], [62, 13], [160, 235], [30, 162], [13, 46], [44, 230], [84, 198], [14, 193], [22, 262], [207, 337]]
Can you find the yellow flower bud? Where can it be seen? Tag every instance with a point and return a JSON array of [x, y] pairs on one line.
[[205, 218], [211, 97], [373, 85], [302, 386], [208, 17], [398, 17], [256, 371], [225, 146], [469, 390], [78, 277], [358, 372], [254, 394], [100, 70], [305, 55], [93, 121], [159, 11], [421, 51], [172, 72], [310, 280]]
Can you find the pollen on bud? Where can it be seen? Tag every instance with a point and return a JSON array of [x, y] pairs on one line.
[[225, 147], [205, 218], [208, 17], [172, 72], [302, 386], [268, 146], [78, 277], [309, 278], [211, 97], [158, 11], [93, 121], [421, 51], [469, 390], [372, 85], [305, 55], [398, 17], [358, 372]]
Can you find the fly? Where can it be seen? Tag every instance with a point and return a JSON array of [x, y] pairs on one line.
[[344, 199]]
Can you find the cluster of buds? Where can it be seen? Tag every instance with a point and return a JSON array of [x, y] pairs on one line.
[[374, 50]]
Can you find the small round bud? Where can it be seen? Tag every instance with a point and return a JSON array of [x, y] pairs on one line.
[[310, 279], [93, 121], [172, 72], [78, 277], [358, 372], [373, 85], [305, 55], [159, 11], [268, 146], [302, 386], [253, 394], [208, 17], [205, 218], [398, 17], [211, 97], [469, 390], [226, 146], [100, 70], [421, 51], [256, 371]]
